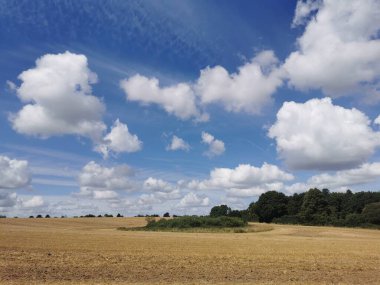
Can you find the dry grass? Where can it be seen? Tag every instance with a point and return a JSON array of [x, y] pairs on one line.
[[92, 251]]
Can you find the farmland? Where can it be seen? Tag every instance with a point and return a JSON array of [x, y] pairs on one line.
[[93, 251]]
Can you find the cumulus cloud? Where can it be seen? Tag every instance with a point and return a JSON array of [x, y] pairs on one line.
[[178, 144], [162, 190], [249, 90], [322, 136], [216, 147], [339, 51], [245, 180], [366, 173], [377, 120], [95, 178], [13, 173], [105, 194], [154, 184], [178, 100], [34, 202], [58, 97], [118, 140], [192, 200], [303, 11]]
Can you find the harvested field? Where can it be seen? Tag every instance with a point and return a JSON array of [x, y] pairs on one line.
[[92, 251]]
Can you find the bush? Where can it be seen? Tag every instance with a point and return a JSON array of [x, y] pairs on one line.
[[197, 222], [39, 216], [166, 215]]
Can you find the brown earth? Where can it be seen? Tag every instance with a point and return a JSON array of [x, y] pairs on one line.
[[92, 251]]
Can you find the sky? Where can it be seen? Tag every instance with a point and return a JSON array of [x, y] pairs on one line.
[[144, 107]]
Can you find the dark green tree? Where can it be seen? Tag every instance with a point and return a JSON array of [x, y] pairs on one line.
[[314, 206], [371, 213], [270, 205], [219, 211]]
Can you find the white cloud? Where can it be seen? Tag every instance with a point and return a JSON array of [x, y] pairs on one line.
[[322, 136], [178, 144], [216, 147], [13, 173], [105, 194], [244, 180], [154, 184], [118, 140], [249, 90], [59, 100], [366, 173], [303, 11], [95, 177], [192, 200], [34, 202], [178, 100], [162, 190], [377, 120], [339, 52]]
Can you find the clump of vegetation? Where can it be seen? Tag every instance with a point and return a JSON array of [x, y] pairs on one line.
[[197, 222]]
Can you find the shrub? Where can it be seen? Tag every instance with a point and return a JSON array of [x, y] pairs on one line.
[[39, 216], [197, 222], [166, 215]]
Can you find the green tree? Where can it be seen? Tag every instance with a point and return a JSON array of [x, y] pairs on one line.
[[219, 211], [314, 206], [371, 213], [271, 205]]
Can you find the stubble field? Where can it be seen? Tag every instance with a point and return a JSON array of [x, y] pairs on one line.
[[92, 251]]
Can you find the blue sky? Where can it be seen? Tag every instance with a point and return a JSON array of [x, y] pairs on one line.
[[194, 103]]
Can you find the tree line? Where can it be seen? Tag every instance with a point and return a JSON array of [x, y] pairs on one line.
[[314, 207]]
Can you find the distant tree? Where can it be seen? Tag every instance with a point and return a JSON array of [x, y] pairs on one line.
[[371, 213], [314, 203], [31, 217], [47, 216], [2, 216], [294, 203], [99, 216], [166, 215], [62, 217], [219, 211], [119, 215], [108, 215], [39, 216], [270, 205], [251, 215]]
